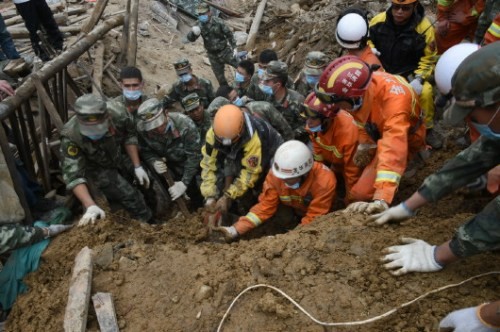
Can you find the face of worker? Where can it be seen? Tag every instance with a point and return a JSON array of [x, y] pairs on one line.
[[313, 122], [132, 88], [291, 181], [196, 114], [402, 13], [488, 116]]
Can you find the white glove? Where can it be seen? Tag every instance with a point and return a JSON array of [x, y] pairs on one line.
[[53, 230], [142, 176], [375, 51], [196, 30], [92, 213], [177, 190], [367, 207], [235, 52], [398, 212], [229, 233], [464, 320], [416, 85], [415, 256], [160, 166]]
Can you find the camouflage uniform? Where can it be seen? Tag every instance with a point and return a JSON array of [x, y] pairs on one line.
[[15, 236], [252, 91], [203, 88], [131, 109], [104, 161], [219, 43], [302, 87], [180, 146], [481, 232], [314, 65]]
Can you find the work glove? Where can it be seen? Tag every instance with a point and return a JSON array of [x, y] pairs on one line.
[[395, 213], [464, 320], [160, 166], [210, 205], [177, 190], [364, 154], [223, 204], [415, 256], [376, 206], [53, 230], [375, 51], [228, 233], [235, 53], [92, 213], [196, 30], [142, 176], [416, 84]]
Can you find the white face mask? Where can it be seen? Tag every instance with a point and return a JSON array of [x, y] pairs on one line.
[[94, 131]]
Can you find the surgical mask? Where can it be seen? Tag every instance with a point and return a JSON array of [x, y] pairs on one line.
[[94, 131], [268, 90], [485, 130], [312, 79], [260, 72], [169, 126], [239, 102], [358, 102], [316, 129], [132, 94], [239, 78], [96, 137], [293, 186], [186, 78], [203, 18]]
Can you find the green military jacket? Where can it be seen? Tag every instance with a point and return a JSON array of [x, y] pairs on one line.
[[216, 36], [80, 153], [289, 107], [180, 145], [252, 91], [204, 126], [266, 111], [121, 101], [14, 236], [203, 88]]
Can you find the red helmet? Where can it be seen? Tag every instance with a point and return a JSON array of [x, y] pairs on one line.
[[345, 78], [313, 107]]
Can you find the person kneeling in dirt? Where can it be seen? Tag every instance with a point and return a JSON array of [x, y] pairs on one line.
[[100, 144], [295, 180], [476, 87], [236, 156], [170, 141]]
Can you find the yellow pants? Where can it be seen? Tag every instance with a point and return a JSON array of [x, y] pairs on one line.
[[427, 105]]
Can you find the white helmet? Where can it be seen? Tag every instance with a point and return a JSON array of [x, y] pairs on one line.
[[292, 159], [352, 31], [448, 64]]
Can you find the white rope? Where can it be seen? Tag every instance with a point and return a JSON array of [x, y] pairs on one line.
[[359, 322]]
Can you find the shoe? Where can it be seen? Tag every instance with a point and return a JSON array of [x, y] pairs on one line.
[[434, 139]]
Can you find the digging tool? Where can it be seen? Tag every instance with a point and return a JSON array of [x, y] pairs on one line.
[[181, 202]]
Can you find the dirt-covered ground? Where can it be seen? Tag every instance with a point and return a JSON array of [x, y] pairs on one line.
[[167, 278]]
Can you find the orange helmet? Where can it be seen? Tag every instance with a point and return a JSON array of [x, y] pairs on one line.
[[345, 78], [403, 2], [228, 124], [313, 107]]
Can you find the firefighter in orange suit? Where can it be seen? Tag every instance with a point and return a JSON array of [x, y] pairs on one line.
[[334, 137], [295, 180], [387, 112]]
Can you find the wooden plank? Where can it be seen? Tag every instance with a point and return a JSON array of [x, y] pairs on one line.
[[98, 68], [105, 311], [254, 29], [95, 17], [132, 30], [47, 102], [75, 317]]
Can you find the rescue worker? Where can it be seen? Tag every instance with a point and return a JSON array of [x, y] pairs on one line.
[[314, 65], [236, 156], [170, 141], [189, 83], [295, 181], [285, 100], [13, 236], [352, 34], [259, 109], [456, 21], [132, 86], [476, 87], [488, 25], [218, 40], [243, 83], [387, 112], [197, 112], [404, 36], [99, 144], [334, 136]]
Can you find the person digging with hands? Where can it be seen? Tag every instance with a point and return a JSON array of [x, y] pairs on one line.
[[476, 88]]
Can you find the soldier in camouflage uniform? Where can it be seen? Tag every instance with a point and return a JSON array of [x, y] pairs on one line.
[[476, 88], [197, 112], [244, 82], [285, 100], [100, 144], [217, 39], [170, 141], [314, 65], [132, 86], [189, 83], [15, 236]]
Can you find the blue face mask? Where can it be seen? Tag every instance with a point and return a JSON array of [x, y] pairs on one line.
[[239, 78], [169, 126], [312, 79], [238, 102], [96, 137], [203, 18], [132, 94], [268, 90], [293, 186], [260, 72], [186, 78], [485, 130], [316, 129], [358, 102]]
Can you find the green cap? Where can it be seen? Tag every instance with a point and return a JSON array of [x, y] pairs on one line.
[[275, 69], [182, 66], [217, 103], [476, 83], [150, 114], [90, 108], [315, 63], [202, 8], [191, 102]]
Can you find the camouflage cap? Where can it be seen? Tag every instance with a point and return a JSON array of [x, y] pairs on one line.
[[191, 102], [202, 8], [315, 63], [182, 66], [476, 83], [151, 114], [274, 69], [90, 108], [217, 103]]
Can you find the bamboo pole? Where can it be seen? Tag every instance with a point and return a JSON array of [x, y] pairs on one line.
[[254, 29], [95, 17], [98, 68], [132, 39]]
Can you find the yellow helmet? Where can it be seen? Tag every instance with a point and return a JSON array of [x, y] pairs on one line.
[[228, 124]]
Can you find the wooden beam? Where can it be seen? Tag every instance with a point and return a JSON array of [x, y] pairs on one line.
[[98, 68], [132, 38], [19, 32], [95, 17], [254, 29], [122, 58], [105, 312], [225, 10], [47, 102]]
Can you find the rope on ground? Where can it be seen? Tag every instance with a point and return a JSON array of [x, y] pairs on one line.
[[353, 323]]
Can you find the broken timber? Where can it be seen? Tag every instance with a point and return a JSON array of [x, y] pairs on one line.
[[105, 312], [254, 29]]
